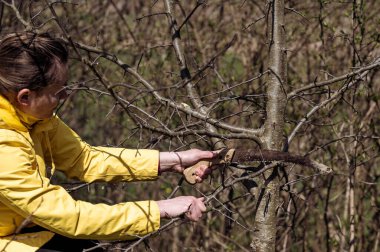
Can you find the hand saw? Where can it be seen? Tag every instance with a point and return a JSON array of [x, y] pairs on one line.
[[233, 157]]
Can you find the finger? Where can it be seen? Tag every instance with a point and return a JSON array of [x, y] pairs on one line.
[[202, 206], [188, 215], [215, 153], [212, 154], [200, 173], [193, 215], [208, 154], [198, 179], [207, 172], [197, 215], [201, 170], [196, 208]]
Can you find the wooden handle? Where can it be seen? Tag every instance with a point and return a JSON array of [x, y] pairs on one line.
[[189, 172], [224, 157]]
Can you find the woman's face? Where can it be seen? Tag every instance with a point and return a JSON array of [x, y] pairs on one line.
[[46, 101], [42, 103]]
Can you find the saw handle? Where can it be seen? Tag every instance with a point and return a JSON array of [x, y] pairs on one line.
[[224, 156], [189, 173]]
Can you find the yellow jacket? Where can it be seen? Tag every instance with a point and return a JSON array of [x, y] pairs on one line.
[[26, 193]]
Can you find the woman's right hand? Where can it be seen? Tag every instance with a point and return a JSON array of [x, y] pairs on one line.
[[190, 206]]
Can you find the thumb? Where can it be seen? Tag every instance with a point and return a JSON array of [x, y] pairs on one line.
[[201, 204]]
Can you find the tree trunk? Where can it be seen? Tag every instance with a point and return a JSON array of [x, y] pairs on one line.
[[266, 219]]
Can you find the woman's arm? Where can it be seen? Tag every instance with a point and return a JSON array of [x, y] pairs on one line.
[[88, 163], [78, 159], [26, 192]]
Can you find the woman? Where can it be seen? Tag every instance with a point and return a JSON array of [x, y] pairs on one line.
[[36, 215]]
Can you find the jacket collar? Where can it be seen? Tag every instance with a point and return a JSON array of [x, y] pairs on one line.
[[18, 120]]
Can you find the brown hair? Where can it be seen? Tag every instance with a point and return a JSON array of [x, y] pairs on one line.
[[30, 60]]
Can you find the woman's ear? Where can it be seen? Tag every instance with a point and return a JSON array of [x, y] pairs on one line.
[[23, 97]]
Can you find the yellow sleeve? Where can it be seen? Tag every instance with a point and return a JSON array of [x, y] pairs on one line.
[[87, 163], [29, 194]]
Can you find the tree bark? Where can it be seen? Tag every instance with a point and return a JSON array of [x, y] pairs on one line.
[[266, 214]]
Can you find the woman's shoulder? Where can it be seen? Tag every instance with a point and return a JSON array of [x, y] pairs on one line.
[[14, 137], [51, 124]]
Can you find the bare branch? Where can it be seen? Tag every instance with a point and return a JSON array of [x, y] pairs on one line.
[[325, 102], [358, 72], [13, 6]]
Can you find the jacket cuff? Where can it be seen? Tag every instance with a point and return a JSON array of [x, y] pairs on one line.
[[146, 219]]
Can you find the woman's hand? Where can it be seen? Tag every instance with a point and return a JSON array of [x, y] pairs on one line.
[[190, 206], [179, 161]]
